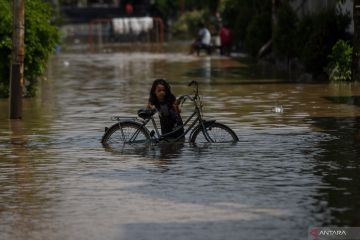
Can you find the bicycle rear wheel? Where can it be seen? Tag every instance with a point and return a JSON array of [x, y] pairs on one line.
[[218, 133], [126, 133]]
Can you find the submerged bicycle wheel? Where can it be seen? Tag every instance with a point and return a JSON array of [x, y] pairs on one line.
[[126, 132], [218, 133]]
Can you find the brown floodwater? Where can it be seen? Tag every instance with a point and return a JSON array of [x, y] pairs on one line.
[[296, 164]]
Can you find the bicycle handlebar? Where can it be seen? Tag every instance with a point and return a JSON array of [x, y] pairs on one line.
[[192, 82], [196, 87], [182, 98]]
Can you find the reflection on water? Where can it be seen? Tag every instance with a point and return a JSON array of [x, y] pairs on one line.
[[339, 168], [352, 100], [292, 169]]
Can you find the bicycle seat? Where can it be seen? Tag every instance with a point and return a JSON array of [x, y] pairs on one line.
[[146, 113]]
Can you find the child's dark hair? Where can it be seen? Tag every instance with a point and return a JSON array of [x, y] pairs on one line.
[[169, 97]]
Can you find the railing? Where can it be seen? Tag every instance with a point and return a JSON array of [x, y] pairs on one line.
[[102, 31], [159, 25]]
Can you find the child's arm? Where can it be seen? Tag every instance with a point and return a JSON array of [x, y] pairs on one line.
[[149, 105]]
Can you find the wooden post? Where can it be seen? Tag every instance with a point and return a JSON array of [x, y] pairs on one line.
[[17, 62], [355, 71]]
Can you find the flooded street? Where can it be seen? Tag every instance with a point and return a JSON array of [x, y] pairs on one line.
[[296, 164]]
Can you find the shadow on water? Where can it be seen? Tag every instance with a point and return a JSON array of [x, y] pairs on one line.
[[164, 154], [339, 168], [161, 151], [349, 100], [159, 154]]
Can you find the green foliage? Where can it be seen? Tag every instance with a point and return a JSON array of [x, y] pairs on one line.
[[5, 47], [208, 5], [339, 67], [258, 33], [187, 24], [40, 39], [309, 39], [285, 35], [317, 34], [171, 9], [168, 8]]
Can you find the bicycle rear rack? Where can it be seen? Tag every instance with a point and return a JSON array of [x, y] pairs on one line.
[[121, 118]]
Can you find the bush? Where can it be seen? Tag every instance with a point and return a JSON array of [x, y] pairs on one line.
[[317, 34], [187, 25], [40, 39], [168, 9], [339, 67]]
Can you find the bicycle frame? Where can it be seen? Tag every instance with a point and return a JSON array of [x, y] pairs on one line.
[[186, 130], [159, 137], [198, 119]]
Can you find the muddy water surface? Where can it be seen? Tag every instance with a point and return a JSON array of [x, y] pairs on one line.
[[296, 165]]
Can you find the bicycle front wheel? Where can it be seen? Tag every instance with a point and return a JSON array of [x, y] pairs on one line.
[[126, 132], [217, 132]]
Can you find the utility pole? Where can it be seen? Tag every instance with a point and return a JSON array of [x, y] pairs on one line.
[[17, 60], [355, 71]]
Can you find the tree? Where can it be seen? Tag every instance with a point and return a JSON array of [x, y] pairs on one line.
[[5, 46], [356, 42], [41, 37]]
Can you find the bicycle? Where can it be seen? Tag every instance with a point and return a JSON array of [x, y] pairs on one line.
[[131, 130]]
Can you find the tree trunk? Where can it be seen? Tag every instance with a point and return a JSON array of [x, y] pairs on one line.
[[356, 44], [17, 63]]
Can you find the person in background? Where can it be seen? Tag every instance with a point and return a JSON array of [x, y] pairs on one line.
[[225, 40], [203, 40], [129, 9]]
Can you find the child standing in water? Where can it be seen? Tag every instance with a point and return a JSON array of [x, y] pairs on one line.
[[165, 102]]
